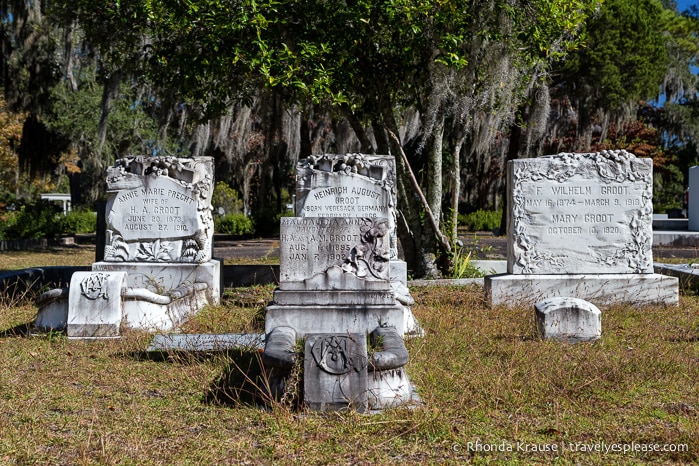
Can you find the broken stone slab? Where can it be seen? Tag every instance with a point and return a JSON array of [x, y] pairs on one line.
[[390, 388], [205, 342], [568, 319], [388, 384], [162, 278]]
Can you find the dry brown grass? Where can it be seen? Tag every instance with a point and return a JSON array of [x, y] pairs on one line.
[[483, 375], [481, 372]]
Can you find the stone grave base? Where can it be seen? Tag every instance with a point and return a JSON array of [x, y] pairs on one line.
[[336, 297], [153, 297], [389, 389], [601, 289], [160, 277], [149, 311], [335, 319]]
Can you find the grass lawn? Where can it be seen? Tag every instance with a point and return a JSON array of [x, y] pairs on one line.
[[487, 383], [68, 256]]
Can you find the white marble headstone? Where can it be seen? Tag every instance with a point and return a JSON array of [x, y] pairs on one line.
[[159, 210], [580, 214], [693, 201]]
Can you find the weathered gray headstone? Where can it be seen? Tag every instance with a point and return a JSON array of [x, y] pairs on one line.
[[356, 186], [159, 210], [349, 185], [356, 246], [159, 232], [338, 282]]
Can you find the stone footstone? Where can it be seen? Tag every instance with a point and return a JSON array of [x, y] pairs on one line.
[[335, 372], [568, 319], [95, 304]]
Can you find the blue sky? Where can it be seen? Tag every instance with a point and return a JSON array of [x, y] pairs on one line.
[[683, 4]]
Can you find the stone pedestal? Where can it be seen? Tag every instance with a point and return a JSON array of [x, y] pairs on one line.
[[312, 318], [600, 289]]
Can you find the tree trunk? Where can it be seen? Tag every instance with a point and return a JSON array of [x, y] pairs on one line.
[[512, 153], [456, 186], [434, 169], [416, 235], [109, 93], [68, 56], [366, 146]]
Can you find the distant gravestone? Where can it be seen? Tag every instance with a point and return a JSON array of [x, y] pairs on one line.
[[693, 201], [580, 225]]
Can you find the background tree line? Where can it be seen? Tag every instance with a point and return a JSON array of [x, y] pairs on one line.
[[452, 88]]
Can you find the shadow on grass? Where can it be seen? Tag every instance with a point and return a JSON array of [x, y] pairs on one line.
[[21, 330], [246, 381], [243, 379]]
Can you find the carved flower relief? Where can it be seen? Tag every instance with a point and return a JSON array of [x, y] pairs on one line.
[[157, 251], [117, 251], [374, 167], [372, 255]]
